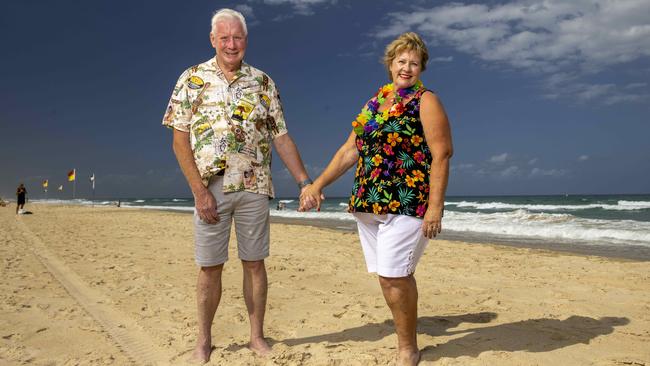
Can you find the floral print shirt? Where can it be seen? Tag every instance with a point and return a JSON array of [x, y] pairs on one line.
[[231, 124], [392, 174]]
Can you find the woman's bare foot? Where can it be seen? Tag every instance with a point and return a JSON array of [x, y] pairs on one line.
[[260, 347], [408, 358]]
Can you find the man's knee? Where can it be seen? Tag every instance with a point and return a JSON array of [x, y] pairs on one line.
[[253, 266], [212, 270]]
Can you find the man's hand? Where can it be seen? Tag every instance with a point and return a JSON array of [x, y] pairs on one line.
[[206, 206], [310, 197]]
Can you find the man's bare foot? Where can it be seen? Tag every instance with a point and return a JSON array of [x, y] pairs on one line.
[[408, 358], [260, 347], [201, 354]]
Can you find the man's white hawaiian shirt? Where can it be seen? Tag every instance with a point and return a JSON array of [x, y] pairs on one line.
[[231, 125]]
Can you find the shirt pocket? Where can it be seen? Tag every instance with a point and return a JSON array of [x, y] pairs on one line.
[[208, 100], [202, 134]]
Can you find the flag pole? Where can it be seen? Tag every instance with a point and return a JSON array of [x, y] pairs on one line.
[[74, 183], [92, 179]]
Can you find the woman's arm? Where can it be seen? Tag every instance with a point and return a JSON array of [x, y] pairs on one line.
[[438, 137], [346, 156]]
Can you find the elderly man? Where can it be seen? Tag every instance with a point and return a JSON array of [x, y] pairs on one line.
[[225, 114]]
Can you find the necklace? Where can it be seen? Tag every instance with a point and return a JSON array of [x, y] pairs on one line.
[[370, 119]]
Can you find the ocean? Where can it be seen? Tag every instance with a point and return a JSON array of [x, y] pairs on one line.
[[610, 225]]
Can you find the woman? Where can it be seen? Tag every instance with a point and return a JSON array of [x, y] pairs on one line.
[[401, 143]]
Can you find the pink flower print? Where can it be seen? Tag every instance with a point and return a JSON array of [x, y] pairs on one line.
[[375, 173], [421, 210], [418, 156], [360, 191]]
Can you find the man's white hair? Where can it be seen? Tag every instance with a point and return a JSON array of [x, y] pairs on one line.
[[228, 14]]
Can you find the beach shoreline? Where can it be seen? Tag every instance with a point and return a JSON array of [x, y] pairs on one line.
[[609, 226], [71, 272], [629, 252], [633, 253]]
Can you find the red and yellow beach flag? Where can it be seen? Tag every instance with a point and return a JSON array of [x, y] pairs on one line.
[[71, 175], [45, 184]]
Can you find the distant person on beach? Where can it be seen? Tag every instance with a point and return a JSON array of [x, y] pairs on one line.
[[401, 144], [21, 198], [225, 115]]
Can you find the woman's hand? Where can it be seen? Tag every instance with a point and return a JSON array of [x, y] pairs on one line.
[[310, 197], [347, 155], [432, 222]]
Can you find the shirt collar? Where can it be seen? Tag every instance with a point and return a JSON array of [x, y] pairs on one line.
[[244, 70]]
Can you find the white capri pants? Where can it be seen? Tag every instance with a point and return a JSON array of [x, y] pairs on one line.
[[392, 244]]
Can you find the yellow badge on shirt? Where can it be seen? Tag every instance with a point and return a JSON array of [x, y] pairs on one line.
[[243, 109], [265, 100], [195, 82]]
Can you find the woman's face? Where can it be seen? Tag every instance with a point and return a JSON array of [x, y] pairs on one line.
[[405, 69]]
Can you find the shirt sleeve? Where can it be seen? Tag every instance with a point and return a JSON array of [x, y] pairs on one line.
[[276, 114], [179, 110]]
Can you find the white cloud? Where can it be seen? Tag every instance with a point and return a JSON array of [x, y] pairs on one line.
[[499, 159], [627, 98], [442, 59], [563, 85], [636, 85], [246, 10], [537, 172], [583, 158], [301, 7], [510, 171], [495, 168], [312, 170], [249, 14], [549, 37], [462, 167]]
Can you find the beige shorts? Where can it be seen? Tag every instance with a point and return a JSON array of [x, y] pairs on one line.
[[392, 244], [250, 211]]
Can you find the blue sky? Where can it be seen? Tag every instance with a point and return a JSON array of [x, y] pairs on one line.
[[544, 97]]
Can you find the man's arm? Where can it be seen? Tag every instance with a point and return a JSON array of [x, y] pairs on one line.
[[288, 152], [206, 205]]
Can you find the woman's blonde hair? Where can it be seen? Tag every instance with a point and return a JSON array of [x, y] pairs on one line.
[[409, 41]]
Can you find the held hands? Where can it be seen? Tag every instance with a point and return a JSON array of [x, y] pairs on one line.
[[432, 222], [206, 207], [310, 197]]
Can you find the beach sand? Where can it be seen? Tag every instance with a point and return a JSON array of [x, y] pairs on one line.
[[95, 286]]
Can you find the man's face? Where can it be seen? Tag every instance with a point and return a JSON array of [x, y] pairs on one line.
[[230, 42]]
